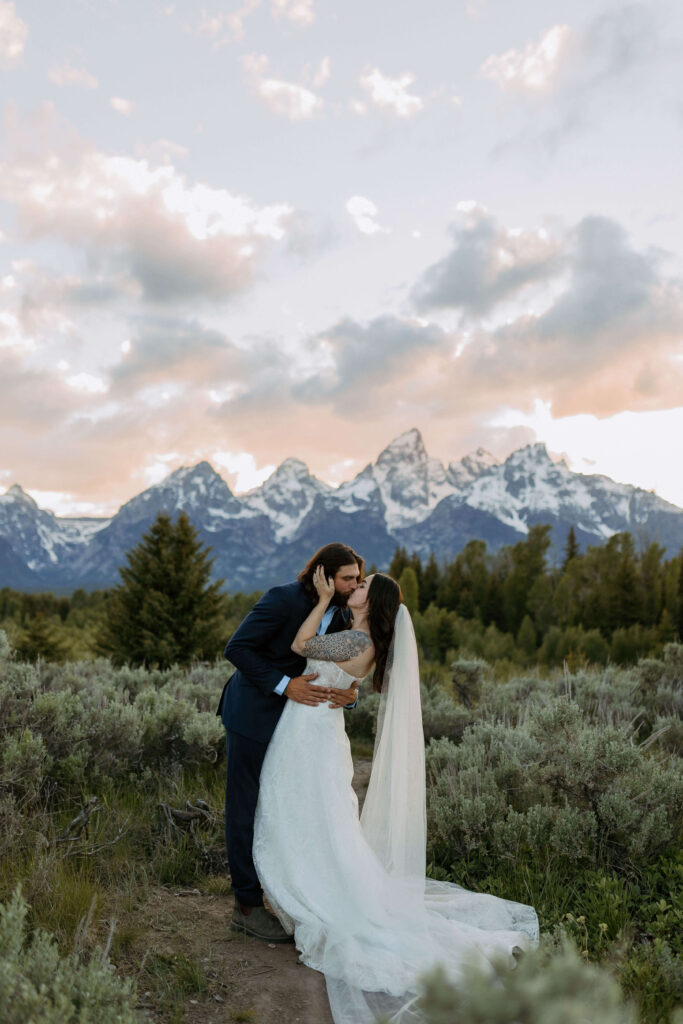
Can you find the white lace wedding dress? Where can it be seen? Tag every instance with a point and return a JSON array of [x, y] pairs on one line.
[[371, 930]]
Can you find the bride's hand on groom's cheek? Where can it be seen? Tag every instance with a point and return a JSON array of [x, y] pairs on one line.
[[324, 585]]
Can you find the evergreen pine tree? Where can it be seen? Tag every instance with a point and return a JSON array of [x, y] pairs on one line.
[[521, 567], [165, 611], [40, 640], [410, 589], [666, 631], [680, 598], [571, 549], [526, 637], [398, 563], [429, 586], [624, 591]]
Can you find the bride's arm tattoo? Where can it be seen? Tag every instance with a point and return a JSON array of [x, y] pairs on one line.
[[337, 646]]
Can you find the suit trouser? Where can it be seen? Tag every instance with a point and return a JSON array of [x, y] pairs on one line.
[[244, 760]]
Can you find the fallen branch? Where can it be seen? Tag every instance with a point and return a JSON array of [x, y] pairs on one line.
[[80, 823], [97, 848]]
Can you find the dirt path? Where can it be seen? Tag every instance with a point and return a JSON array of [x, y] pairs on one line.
[[183, 936]]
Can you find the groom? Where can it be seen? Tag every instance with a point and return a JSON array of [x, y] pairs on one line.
[[268, 673]]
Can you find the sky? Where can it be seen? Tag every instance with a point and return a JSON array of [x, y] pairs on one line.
[[263, 229]]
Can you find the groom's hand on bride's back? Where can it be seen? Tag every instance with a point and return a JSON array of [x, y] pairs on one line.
[[299, 689], [344, 698]]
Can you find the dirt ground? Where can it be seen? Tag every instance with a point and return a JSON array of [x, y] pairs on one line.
[[245, 979]]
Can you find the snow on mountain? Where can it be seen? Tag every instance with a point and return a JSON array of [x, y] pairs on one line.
[[410, 483], [286, 497], [38, 536], [198, 490], [404, 497], [471, 467], [358, 494], [529, 485]]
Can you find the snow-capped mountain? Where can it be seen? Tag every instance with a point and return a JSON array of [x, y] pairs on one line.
[[198, 490], [403, 497], [474, 465], [286, 497], [410, 483], [530, 486], [38, 537]]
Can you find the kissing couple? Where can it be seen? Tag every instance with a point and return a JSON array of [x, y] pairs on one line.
[[351, 892]]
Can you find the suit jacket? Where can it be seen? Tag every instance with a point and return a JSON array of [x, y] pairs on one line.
[[260, 649]]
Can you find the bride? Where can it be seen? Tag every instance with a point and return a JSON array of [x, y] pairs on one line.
[[353, 891]]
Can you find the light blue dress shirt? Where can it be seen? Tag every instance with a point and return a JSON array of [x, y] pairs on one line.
[[322, 628]]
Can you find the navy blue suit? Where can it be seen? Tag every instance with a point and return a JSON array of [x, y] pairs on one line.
[[260, 649]]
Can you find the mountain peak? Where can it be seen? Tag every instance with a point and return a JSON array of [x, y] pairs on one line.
[[287, 496], [483, 455], [201, 471], [291, 467], [530, 453], [407, 446], [471, 467], [17, 494]]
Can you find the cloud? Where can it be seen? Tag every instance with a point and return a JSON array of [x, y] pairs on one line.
[[321, 76], [13, 33], [11, 335], [87, 382], [161, 151], [370, 361], [610, 340], [287, 99], [66, 75], [171, 238], [299, 12], [487, 264], [47, 303], [535, 66], [121, 106], [619, 42], [575, 77], [32, 400], [222, 26], [363, 213], [242, 471], [475, 8], [164, 349], [391, 95]]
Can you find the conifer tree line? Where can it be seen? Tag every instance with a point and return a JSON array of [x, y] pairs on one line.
[[609, 602]]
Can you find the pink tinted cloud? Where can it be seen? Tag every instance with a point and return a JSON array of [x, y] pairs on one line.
[[175, 238]]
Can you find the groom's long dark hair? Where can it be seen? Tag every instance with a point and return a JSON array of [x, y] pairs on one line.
[[332, 557], [384, 600]]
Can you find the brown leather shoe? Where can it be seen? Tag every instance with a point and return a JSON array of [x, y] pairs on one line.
[[259, 924]]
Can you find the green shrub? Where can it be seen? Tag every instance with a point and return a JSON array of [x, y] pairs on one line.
[[5, 650], [554, 789], [38, 986], [653, 974], [544, 987], [468, 676]]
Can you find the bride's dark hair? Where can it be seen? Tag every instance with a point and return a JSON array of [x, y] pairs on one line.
[[384, 600]]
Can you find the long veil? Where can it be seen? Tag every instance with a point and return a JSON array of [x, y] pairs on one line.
[[446, 922], [394, 817]]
